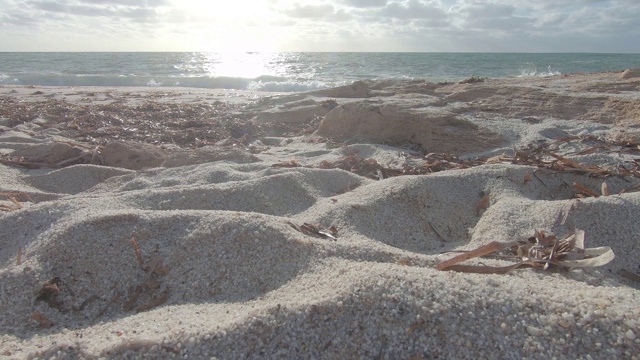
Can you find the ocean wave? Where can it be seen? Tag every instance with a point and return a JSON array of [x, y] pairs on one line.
[[261, 83], [533, 72], [287, 86]]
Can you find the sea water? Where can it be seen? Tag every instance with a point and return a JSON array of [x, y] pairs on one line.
[[287, 72]]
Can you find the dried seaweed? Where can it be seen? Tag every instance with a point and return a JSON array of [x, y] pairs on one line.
[[154, 302], [629, 275], [442, 238], [149, 286], [539, 251], [538, 156], [14, 197], [201, 123], [192, 124], [42, 320], [483, 204], [583, 191], [19, 256], [316, 230], [287, 164], [370, 168], [49, 293], [136, 249]]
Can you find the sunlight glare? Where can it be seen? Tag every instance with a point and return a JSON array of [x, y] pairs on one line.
[[230, 26], [242, 65]]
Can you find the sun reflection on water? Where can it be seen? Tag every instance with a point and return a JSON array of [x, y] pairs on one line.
[[246, 65]]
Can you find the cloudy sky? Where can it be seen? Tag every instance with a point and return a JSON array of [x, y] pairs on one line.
[[321, 25]]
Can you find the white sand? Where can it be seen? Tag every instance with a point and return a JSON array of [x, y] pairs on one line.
[[239, 282]]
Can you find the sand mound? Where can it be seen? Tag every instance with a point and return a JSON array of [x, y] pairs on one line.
[[358, 89], [433, 130], [132, 155], [630, 73], [48, 154], [205, 254]]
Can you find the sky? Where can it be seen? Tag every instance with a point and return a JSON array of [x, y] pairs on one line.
[[321, 25]]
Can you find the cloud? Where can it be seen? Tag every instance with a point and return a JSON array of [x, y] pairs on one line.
[[310, 11], [18, 18], [143, 10], [365, 3], [412, 9], [475, 16], [372, 25], [134, 3]]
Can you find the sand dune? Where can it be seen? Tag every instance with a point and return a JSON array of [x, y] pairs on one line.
[[200, 255]]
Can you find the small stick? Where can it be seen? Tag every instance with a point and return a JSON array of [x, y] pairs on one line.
[[136, 249], [629, 275], [437, 233], [481, 251], [19, 259], [584, 190], [15, 202], [536, 176], [501, 270]]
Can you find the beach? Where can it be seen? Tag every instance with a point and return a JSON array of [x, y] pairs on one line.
[[152, 222]]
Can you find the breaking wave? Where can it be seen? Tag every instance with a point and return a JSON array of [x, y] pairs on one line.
[[534, 72], [261, 83]]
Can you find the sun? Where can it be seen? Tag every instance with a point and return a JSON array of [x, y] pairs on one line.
[[227, 11], [230, 26]]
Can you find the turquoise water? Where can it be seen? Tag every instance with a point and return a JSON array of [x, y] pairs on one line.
[[287, 71]]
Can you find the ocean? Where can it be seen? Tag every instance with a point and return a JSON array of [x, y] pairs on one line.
[[287, 72]]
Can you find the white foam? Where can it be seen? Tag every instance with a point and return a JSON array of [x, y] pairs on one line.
[[535, 73]]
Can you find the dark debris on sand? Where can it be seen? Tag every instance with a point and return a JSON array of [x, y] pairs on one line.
[[188, 125]]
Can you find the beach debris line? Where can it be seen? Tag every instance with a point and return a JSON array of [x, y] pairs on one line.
[[151, 119], [539, 251], [316, 230], [538, 156]]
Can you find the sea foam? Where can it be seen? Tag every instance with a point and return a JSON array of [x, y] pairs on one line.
[[262, 83]]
